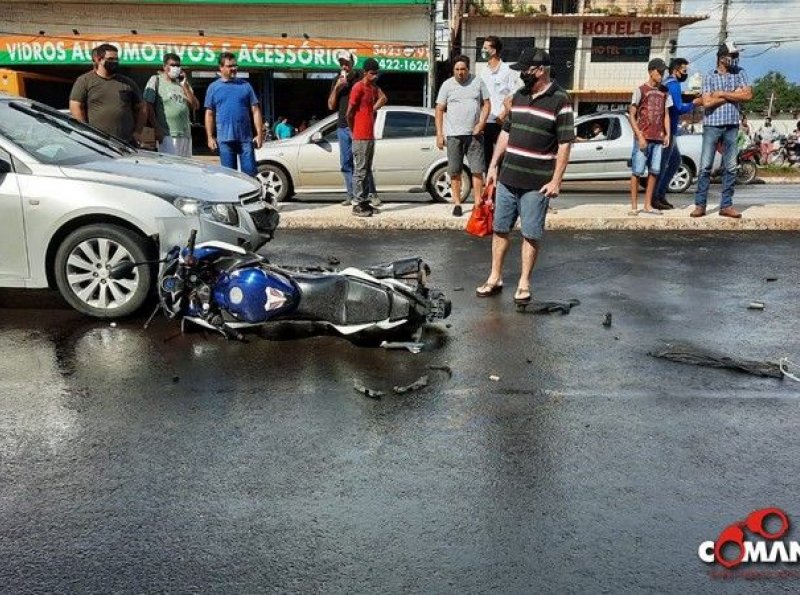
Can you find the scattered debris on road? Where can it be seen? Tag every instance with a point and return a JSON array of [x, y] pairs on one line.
[[607, 319], [789, 369], [687, 354], [755, 306], [549, 307], [494, 378], [446, 369], [367, 392], [419, 383], [412, 346]]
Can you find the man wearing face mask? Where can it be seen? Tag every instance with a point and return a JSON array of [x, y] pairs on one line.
[[724, 90], [108, 100], [170, 102], [671, 155], [535, 145], [501, 82]]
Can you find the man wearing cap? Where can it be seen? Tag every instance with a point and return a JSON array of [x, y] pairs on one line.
[[535, 145], [723, 91], [650, 121], [671, 155], [338, 99], [365, 99]]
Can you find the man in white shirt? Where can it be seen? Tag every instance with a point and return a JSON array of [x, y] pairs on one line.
[[501, 82]]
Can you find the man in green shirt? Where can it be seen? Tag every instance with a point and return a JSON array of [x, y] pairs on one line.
[[108, 100], [170, 102]]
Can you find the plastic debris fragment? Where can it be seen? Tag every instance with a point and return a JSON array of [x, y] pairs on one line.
[[687, 354], [368, 392], [419, 383], [410, 345]]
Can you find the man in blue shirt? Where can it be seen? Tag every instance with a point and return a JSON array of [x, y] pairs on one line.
[[671, 155], [724, 90], [232, 116]]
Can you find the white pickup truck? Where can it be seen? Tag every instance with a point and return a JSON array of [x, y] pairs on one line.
[[610, 158]]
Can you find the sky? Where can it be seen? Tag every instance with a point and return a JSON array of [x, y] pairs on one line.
[[755, 26]]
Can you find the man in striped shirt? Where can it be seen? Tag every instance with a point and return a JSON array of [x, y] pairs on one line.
[[534, 145]]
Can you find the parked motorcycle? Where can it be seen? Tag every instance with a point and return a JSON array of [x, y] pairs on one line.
[[226, 288], [747, 162], [785, 153]]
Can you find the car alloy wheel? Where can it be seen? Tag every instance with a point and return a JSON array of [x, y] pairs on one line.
[[440, 185], [274, 180], [83, 264], [682, 179]]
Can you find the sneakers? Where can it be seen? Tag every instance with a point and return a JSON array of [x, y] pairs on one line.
[[698, 212], [662, 205], [730, 212], [457, 212], [362, 209], [375, 200]]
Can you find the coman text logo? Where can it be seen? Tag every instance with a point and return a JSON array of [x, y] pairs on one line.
[[731, 549]]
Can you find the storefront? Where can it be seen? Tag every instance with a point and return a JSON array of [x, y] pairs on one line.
[[288, 50]]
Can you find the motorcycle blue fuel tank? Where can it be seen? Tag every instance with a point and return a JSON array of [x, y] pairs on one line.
[[253, 295]]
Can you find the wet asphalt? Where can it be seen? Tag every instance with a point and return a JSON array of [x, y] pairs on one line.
[[137, 460]]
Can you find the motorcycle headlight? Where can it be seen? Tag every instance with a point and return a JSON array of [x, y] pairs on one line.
[[221, 213]]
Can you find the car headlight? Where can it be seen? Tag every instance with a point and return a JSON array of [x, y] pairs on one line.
[[221, 213], [188, 206]]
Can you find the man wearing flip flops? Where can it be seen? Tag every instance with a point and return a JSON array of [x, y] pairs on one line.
[[535, 144]]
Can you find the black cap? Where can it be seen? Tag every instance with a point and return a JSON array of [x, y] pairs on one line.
[[656, 64], [347, 58], [371, 64], [531, 57], [727, 49]]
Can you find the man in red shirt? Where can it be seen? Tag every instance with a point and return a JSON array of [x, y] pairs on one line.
[[365, 99]]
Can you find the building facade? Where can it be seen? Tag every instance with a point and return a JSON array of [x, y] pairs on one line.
[[288, 49], [600, 49]]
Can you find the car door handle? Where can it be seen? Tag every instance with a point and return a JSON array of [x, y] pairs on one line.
[[33, 202], [598, 148], [426, 149]]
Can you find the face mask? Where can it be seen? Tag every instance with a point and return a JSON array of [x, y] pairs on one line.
[[485, 54], [174, 72], [682, 77], [732, 64], [529, 79], [111, 66]]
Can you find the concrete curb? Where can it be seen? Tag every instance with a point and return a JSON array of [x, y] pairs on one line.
[[582, 217]]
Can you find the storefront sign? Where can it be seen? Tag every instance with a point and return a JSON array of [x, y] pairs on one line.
[[268, 52], [620, 49], [622, 27]]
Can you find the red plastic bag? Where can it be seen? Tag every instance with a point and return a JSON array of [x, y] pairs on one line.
[[482, 217]]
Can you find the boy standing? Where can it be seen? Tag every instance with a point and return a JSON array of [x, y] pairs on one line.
[[649, 117]]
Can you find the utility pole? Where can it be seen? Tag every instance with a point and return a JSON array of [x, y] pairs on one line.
[[723, 22], [431, 56]]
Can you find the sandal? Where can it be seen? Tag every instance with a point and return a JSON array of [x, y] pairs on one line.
[[522, 296], [489, 289]]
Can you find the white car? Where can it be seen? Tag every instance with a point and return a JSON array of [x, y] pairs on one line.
[[407, 159], [74, 202]]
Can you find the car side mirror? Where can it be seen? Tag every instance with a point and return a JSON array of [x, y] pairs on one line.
[[5, 167], [316, 137]]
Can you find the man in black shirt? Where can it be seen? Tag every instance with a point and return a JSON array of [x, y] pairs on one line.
[[534, 145]]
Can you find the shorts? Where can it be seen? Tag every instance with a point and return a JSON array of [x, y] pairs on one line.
[[469, 146], [529, 205], [647, 161]]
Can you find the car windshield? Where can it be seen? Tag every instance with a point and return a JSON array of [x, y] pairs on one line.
[[53, 138]]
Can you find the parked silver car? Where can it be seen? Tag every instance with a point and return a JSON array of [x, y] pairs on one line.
[[407, 160], [74, 202]]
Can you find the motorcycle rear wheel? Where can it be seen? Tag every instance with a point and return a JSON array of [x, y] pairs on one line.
[[746, 172]]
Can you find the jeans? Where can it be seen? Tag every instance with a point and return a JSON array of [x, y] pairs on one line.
[[711, 136], [363, 152], [670, 162], [230, 149], [345, 138]]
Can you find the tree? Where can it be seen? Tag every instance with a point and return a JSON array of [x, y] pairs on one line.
[[786, 94]]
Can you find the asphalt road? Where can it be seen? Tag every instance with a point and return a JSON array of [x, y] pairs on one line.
[[139, 460]]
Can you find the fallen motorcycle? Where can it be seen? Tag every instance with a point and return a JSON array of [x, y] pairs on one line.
[[226, 288]]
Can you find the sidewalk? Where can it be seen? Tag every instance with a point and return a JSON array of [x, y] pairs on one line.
[[583, 217]]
